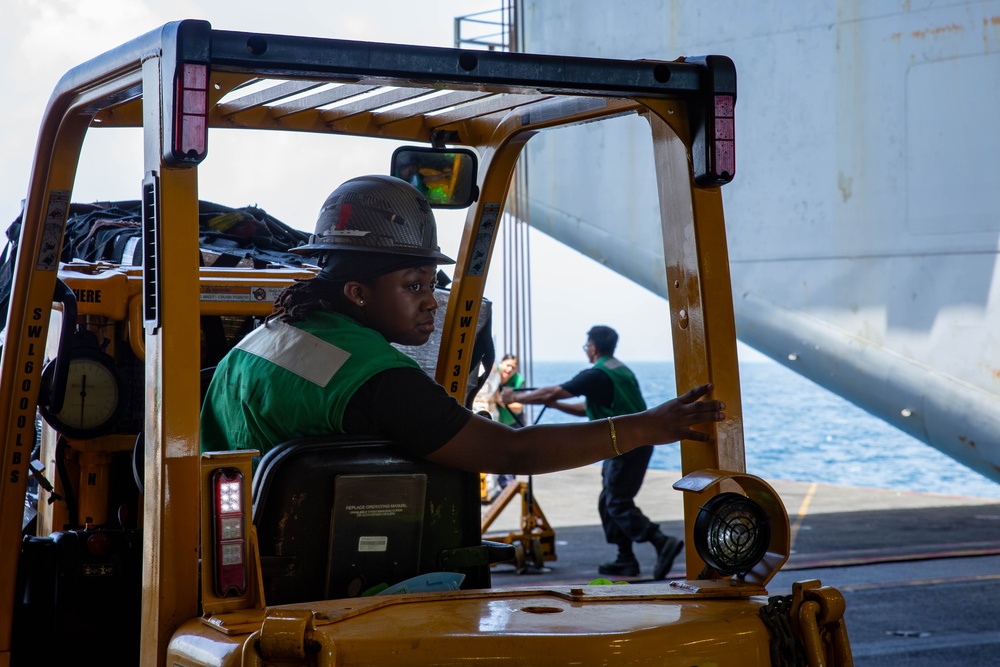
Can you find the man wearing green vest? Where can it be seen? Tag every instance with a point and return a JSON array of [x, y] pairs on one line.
[[610, 389]]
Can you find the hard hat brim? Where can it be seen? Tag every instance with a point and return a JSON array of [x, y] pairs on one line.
[[435, 257]]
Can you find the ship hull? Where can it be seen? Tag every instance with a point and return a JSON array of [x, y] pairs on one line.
[[863, 221]]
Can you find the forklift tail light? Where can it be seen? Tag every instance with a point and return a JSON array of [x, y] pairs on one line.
[[229, 542], [713, 140], [190, 141], [723, 151]]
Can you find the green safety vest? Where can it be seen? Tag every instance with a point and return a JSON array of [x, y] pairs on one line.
[[627, 397], [516, 381], [286, 381]]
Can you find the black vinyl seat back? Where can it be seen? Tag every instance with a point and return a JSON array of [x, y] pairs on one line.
[[337, 515]]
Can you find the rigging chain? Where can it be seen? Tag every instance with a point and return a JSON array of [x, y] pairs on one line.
[[807, 628]]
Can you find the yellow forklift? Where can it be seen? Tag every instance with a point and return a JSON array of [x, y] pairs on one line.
[[145, 551]]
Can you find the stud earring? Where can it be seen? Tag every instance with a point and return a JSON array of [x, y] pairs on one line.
[[361, 302]]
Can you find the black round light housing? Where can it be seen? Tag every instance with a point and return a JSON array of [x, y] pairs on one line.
[[731, 533]]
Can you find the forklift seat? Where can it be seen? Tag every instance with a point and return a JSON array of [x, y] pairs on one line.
[[338, 515]]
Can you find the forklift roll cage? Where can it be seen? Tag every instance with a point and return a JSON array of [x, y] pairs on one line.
[[180, 80]]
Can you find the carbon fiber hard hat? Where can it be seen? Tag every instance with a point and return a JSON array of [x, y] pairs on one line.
[[379, 214]]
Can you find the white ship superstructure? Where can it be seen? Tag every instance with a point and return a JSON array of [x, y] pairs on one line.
[[864, 217]]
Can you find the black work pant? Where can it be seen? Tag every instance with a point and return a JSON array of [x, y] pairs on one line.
[[622, 477]]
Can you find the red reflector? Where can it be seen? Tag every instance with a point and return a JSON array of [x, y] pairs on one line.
[[724, 106], [191, 113], [725, 128], [195, 76], [99, 544], [229, 543], [194, 102], [192, 139], [724, 139], [724, 156]]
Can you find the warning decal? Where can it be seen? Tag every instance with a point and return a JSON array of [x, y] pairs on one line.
[[245, 293], [484, 239], [52, 231]]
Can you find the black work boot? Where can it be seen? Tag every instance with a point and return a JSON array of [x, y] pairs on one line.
[[666, 552], [623, 566]]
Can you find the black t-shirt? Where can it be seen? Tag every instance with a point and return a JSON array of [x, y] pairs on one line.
[[594, 385], [406, 406]]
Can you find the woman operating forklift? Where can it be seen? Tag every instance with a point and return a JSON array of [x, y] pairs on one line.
[[323, 362]]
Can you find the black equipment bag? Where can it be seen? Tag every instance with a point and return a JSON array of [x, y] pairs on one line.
[[112, 232]]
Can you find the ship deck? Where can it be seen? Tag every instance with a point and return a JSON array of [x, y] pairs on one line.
[[917, 570]]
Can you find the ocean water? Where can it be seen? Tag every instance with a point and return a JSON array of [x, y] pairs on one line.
[[796, 430]]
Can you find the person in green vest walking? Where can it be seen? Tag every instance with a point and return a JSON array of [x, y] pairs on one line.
[[610, 390]]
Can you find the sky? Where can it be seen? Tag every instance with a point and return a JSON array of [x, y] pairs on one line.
[[290, 176]]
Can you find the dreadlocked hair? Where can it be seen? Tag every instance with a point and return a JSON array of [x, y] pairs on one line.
[[296, 302]]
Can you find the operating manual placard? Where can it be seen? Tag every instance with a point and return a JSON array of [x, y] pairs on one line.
[[375, 533]]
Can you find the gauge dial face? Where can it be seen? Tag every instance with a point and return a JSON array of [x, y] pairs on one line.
[[93, 399], [91, 394]]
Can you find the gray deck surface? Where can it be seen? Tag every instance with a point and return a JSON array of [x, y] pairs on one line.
[[920, 572]]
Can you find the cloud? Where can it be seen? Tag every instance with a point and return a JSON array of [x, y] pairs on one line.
[[55, 34]]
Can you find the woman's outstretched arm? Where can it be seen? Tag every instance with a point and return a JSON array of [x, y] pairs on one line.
[[486, 446]]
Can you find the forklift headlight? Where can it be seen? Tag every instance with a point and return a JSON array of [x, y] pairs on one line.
[[732, 533]]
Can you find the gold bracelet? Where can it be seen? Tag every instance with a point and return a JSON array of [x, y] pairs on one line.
[[614, 437]]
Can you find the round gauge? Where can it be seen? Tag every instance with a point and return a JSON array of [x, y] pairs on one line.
[[95, 395]]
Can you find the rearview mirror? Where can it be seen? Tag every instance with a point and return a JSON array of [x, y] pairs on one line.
[[446, 176]]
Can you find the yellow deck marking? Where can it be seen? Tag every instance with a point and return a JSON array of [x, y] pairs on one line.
[[803, 510]]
